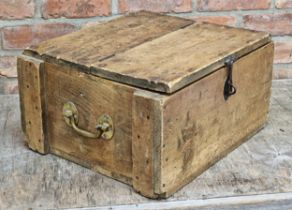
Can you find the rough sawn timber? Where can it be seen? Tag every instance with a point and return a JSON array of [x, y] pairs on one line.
[[173, 61], [30, 78], [147, 136], [107, 39], [92, 96], [195, 139], [137, 49]]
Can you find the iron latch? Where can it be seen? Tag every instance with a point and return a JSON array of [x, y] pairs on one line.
[[229, 88]]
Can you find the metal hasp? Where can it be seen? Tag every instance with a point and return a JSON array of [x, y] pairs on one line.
[[104, 128], [229, 88]]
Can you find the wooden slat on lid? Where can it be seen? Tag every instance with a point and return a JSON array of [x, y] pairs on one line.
[[151, 51], [96, 43], [177, 59]]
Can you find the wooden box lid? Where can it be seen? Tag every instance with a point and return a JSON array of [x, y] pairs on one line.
[[151, 51]]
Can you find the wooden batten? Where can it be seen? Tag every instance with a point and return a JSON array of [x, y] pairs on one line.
[[32, 101], [146, 142]]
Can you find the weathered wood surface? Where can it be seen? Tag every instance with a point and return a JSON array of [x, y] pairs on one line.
[[93, 97], [211, 127], [141, 49], [263, 165], [30, 74], [107, 39], [177, 59], [147, 124]]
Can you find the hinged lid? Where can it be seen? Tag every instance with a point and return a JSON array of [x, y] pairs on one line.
[[152, 51]]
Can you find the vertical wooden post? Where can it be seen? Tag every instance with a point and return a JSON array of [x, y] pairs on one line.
[[32, 102], [146, 145]]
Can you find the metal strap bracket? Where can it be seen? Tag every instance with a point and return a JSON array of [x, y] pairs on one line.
[[229, 88]]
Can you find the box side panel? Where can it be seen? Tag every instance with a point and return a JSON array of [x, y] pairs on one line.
[[92, 97], [146, 147], [32, 102], [200, 127]]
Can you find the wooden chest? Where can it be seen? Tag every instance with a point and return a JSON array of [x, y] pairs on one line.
[[147, 99]]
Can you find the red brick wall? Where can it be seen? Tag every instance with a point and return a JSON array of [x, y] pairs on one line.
[[27, 22]]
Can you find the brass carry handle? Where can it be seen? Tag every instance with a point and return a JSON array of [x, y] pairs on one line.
[[104, 128]]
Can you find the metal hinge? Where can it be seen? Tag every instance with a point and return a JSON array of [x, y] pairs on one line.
[[229, 88]]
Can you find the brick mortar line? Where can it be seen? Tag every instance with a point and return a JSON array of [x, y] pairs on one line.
[[194, 5], [283, 65], [233, 12], [115, 7], [2, 77], [78, 21], [1, 40], [273, 4], [39, 20], [282, 38], [15, 52], [38, 8]]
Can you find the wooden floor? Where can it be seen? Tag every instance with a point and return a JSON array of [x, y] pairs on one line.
[[258, 175]]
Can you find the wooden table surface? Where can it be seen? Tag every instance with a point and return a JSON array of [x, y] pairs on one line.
[[257, 175]]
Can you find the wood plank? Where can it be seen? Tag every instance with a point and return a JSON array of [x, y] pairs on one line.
[[136, 50], [31, 90], [146, 146], [93, 97], [99, 42], [177, 59], [212, 127]]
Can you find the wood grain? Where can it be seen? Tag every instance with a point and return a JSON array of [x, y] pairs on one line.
[[141, 49], [93, 97], [106, 39], [147, 136], [171, 62], [30, 74], [200, 127]]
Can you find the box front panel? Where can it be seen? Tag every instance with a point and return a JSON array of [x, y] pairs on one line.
[[200, 126], [92, 98]]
